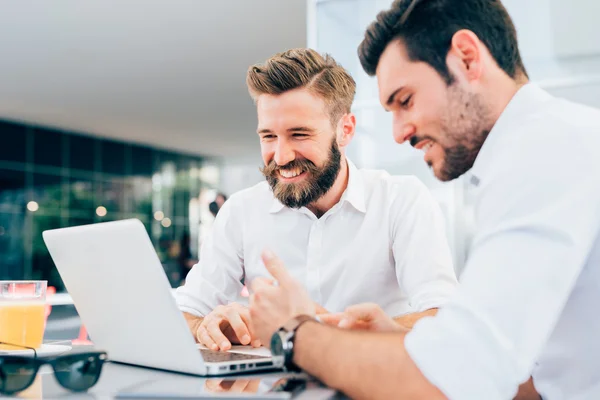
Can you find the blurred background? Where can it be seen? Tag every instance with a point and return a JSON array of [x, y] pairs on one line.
[[139, 109]]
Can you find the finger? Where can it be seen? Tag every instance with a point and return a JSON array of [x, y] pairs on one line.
[[319, 309], [253, 386], [276, 268], [331, 319], [205, 339], [365, 312], [239, 385], [214, 330], [213, 385], [239, 326], [260, 284], [245, 315]]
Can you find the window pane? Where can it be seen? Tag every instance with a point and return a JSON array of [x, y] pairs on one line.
[[142, 161], [48, 147], [14, 138], [81, 196], [113, 157], [82, 152], [42, 265], [48, 192], [12, 190], [12, 258]]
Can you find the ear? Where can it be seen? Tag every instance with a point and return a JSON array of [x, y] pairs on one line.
[[466, 54], [345, 129]]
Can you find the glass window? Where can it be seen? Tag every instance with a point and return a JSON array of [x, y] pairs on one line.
[[49, 193], [82, 152], [81, 196], [47, 147], [42, 265], [142, 161], [12, 190], [14, 142], [113, 157], [12, 256]]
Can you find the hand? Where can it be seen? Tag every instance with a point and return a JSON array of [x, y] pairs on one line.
[[226, 325], [366, 316], [233, 386], [272, 305]]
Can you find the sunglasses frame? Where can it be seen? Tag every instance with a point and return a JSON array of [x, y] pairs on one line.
[[36, 363]]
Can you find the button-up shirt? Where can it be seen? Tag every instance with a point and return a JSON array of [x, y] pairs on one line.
[[383, 242], [528, 298]]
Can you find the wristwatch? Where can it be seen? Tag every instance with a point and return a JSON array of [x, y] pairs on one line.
[[282, 343]]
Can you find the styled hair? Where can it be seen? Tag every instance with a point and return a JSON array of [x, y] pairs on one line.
[[304, 68], [426, 28]]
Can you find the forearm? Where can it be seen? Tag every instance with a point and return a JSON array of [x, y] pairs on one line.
[[363, 365], [193, 323], [409, 320]]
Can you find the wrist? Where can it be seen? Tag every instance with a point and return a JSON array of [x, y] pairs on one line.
[[283, 341]]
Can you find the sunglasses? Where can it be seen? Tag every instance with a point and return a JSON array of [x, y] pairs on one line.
[[75, 372]]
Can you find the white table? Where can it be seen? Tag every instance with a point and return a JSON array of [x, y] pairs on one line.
[[121, 381]]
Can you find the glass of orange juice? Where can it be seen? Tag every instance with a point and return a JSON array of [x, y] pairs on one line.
[[22, 320]]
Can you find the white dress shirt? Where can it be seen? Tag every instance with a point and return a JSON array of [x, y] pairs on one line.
[[384, 242], [528, 299]]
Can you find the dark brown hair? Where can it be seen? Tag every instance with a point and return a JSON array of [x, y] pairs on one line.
[[426, 28], [304, 68]]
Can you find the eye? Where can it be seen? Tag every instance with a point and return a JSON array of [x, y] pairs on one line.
[[300, 135], [406, 102], [267, 137]]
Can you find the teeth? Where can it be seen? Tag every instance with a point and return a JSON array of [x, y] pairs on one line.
[[427, 147], [291, 173]]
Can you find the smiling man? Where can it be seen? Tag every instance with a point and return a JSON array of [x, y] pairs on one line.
[[349, 235]]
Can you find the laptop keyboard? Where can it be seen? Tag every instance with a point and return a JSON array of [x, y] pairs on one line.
[[219, 356]]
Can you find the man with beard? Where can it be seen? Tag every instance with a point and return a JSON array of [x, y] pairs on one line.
[[451, 74], [350, 236]]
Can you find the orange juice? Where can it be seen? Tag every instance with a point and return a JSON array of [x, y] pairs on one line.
[[21, 323]]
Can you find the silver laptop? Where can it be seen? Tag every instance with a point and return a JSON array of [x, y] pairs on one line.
[[124, 298]]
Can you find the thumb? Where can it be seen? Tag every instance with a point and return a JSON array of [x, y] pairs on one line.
[[275, 267]]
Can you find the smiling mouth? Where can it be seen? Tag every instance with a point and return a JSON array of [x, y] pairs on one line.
[[424, 145], [291, 173]]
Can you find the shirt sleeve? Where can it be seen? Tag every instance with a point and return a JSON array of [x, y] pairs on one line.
[[537, 224], [424, 267], [216, 279]]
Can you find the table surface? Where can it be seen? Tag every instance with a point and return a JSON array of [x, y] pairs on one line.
[[120, 381]]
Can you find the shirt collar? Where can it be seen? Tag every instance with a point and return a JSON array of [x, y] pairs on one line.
[[524, 104], [354, 193]]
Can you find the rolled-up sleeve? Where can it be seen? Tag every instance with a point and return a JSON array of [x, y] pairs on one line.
[[537, 224], [424, 267], [216, 279]]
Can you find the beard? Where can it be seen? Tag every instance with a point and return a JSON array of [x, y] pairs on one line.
[[317, 182], [465, 128]]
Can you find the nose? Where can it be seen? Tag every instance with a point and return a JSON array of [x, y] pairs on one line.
[[403, 130], [284, 153]]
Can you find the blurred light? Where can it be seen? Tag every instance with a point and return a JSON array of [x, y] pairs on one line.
[[101, 211], [159, 215], [156, 182], [33, 206], [210, 174], [166, 222]]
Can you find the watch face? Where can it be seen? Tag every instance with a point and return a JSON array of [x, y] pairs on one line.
[[276, 345]]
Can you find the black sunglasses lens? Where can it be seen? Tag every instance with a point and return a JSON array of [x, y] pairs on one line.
[[16, 374], [79, 372]]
